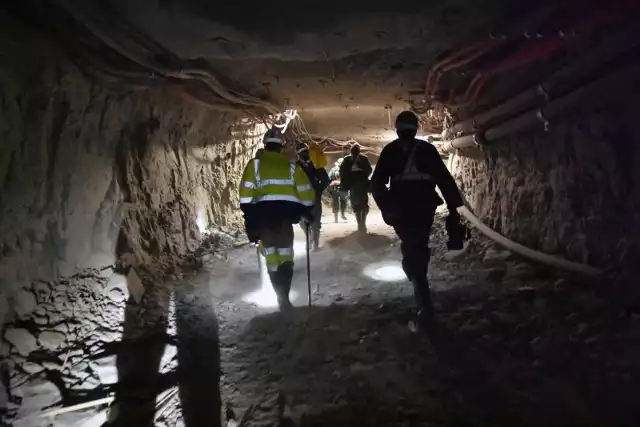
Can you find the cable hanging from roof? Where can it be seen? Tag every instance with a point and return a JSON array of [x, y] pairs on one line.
[[251, 105]]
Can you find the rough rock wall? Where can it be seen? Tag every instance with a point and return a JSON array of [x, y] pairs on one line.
[[571, 191], [89, 173]]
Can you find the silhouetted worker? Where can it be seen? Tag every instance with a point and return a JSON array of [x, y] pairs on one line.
[[274, 194], [412, 168], [319, 181], [354, 177], [338, 197]]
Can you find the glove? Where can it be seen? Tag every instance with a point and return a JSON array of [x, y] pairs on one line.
[[455, 244], [252, 231], [458, 233]]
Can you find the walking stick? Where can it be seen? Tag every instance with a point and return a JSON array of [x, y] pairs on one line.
[[258, 256], [308, 264]]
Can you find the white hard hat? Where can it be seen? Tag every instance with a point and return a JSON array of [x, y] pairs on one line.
[[273, 135]]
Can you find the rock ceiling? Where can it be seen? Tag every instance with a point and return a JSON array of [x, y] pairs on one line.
[[347, 71]]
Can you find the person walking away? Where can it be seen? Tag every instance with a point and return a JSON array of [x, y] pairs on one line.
[[319, 181], [338, 197], [412, 168], [274, 195], [354, 177]]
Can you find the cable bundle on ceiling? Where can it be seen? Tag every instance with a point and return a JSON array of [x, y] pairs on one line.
[[436, 112]]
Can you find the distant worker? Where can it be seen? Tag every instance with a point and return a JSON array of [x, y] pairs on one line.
[[274, 195], [412, 168], [319, 181], [354, 177], [338, 197]]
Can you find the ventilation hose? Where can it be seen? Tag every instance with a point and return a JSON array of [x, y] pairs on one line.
[[524, 251]]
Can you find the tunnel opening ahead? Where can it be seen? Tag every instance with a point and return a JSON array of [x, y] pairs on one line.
[[129, 294]]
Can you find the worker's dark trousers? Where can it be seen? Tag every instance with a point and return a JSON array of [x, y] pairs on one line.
[[414, 237], [338, 201], [360, 206]]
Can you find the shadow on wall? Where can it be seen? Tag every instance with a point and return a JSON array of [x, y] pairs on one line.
[[145, 391], [76, 349], [84, 168]]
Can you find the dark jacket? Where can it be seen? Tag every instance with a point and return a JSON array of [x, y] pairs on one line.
[[412, 168], [318, 177], [354, 173]]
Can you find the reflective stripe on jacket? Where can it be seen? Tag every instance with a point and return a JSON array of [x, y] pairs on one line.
[[272, 178]]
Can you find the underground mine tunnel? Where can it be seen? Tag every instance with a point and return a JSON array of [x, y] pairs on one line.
[[129, 295]]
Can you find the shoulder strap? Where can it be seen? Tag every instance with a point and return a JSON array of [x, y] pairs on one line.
[[410, 171], [409, 165]]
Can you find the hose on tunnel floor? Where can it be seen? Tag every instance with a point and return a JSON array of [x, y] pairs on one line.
[[522, 250]]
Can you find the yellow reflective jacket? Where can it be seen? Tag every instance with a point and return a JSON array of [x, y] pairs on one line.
[[273, 187]]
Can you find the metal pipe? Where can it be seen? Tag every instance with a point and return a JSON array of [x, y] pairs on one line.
[[559, 82], [598, 91], [462, 142]]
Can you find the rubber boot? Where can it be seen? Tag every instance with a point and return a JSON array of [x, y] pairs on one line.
[[281, 292], [425, 313], [282, 286], [358, 215], [415, 267], [273, 276]]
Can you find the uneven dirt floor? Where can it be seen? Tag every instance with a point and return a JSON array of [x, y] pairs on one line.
[[517, 344]]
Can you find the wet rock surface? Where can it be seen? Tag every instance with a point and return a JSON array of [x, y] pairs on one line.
[[529, 347]]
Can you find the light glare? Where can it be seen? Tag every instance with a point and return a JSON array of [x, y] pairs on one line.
[[386, 271], [265, 296], [299, 249], [201, 220]]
